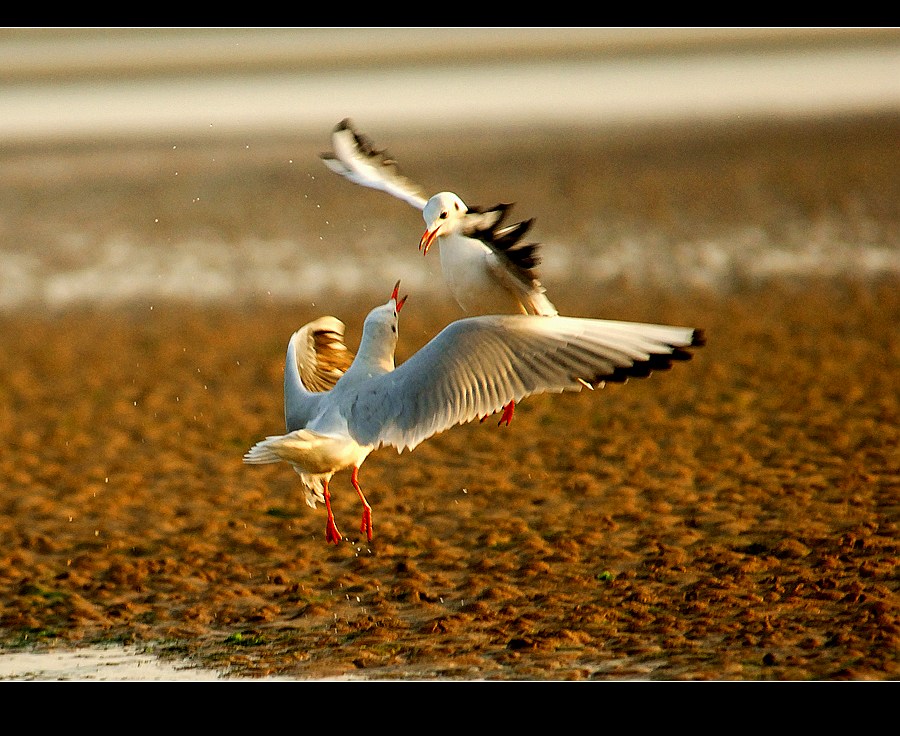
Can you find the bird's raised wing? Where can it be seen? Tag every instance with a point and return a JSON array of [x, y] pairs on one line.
[[515, 261], [356, 159], [316, 359], [476, 366]]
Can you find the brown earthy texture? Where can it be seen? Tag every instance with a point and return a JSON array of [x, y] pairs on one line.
[[733, 518]]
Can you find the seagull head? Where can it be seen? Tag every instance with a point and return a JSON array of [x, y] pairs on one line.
[[441, 213], [379, 338]]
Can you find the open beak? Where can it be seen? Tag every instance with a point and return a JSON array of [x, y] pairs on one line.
[[426, 240], [399, 302]]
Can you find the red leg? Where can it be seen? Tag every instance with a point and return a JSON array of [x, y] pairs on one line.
[[331, 531], [507, 413], [366, 525]]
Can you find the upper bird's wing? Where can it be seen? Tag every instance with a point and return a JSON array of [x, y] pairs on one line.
[[316, 359], [475, 366], [515, 262], [355, 158]]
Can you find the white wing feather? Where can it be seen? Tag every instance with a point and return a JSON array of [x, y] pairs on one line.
[[355, 159], [476, 366]]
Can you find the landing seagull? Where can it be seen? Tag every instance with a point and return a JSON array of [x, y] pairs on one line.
[[339, 407], [487, 267]]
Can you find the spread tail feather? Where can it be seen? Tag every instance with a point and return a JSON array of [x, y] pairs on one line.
[[275, 448], [290, 447], [263, 452]]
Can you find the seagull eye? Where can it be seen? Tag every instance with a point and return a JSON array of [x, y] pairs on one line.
[[443, 215]]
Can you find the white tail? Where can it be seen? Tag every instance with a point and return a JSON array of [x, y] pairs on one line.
[[262, 452]]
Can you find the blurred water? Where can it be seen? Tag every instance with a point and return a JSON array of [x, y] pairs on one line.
[[98, 664], [113, 271], [122, 89], [95, 86]]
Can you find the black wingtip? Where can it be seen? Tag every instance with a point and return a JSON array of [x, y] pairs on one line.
[[656, 362], [507, 239], [699, 338]]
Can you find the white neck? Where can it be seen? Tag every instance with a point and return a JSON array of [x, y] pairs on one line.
[[378, 342]]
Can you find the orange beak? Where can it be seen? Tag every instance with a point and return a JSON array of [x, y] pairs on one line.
[[400, 302], [426, 240]]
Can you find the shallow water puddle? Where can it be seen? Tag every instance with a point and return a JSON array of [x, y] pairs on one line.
[[99, 663]]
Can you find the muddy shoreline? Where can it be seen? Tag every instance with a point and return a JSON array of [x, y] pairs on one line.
[[733, 518]]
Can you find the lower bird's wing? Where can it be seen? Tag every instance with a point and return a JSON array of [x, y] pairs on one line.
[[316, 359], [475, 366]]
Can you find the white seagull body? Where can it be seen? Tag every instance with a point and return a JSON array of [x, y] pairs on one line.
[[487, 267], [339, 408]]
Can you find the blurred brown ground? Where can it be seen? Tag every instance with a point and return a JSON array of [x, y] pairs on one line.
[[733, 518]]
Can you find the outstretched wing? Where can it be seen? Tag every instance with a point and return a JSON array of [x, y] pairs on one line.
[[316, 359], [356, 159], [475, 366]]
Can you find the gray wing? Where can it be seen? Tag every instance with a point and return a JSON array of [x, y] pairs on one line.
[[316, 359], [355, 159], [475, 366]]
